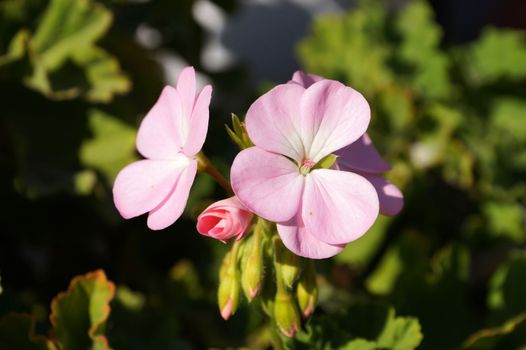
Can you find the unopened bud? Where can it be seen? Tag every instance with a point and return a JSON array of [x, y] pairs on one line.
[[229, 285], [286, 313], [307, 291], [288, 264], [252, 269]]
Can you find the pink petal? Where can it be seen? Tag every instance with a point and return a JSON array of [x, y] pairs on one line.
[[391, 198], [167, 212], [267, 184], [186, 89], [333, 116], [338, 206], [142, 185], [299, 241], [304, 79], [160, 135], [273, 121], [198, 122], [361, 155]]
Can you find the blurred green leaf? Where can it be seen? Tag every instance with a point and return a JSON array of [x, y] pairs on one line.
[[79, 315], [508, 288], [498, 54], [505, 219], [420, 49], [349, 48], [508, 118], [367, 325], [111, 147], [66, 62]]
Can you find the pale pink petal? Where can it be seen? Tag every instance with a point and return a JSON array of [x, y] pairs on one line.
[[186, 89], [267, 184], [160, 135], [198, 122], [273, 121], [304, 79], [338, 206], [333, 116], [299, 241], [142, 185], [361, 155], [167, 212], [390, 197]]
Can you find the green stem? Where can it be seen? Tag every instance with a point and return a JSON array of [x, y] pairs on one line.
[[205, 165], [277, 344]]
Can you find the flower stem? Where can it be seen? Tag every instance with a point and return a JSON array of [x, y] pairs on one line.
[[205, 165]]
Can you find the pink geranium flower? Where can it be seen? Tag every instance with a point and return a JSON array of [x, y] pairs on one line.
[[361, 157], [170, 136], [224, 219], [318, 211]]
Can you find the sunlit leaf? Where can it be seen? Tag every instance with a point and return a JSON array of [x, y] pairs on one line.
[[111, 147], [79, 315]]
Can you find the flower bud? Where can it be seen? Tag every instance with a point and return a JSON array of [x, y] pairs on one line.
[[229, 285], [224, 219], [252, 269], [286, 313], [307, 291], [289, 264]]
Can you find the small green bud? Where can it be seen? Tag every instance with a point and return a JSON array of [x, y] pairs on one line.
[[307, 291], [229, 284], [288, 264], [286, 314], [252, 269]]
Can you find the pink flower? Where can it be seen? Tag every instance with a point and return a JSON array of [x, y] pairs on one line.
[[361, 157], [169, 137], [318, 211], [224, 219]]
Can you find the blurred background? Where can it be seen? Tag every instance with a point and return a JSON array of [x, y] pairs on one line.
[[446, 81]]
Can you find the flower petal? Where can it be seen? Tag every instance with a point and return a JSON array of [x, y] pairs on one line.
[[142, 185], [304, 79], [198, 122], [167, 212], [273, 121], [338, 206], [267, 184], [186, 89], [390, 197], [361, 155], [333, 116], [299, 241], [160, 135]]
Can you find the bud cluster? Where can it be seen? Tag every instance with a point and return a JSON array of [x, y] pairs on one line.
[[265, 270]]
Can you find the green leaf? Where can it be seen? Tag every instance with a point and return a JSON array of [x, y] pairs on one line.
[[420, 49], [111, 147], [17, 333], [508, 117], [508, 288], [401, 333], [66, 63], [351, 48], [498, 54], [359, 344], [79, 315], [505, 219], [67, 26]]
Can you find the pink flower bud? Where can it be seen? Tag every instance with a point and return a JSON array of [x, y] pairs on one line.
[[224, 219]]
